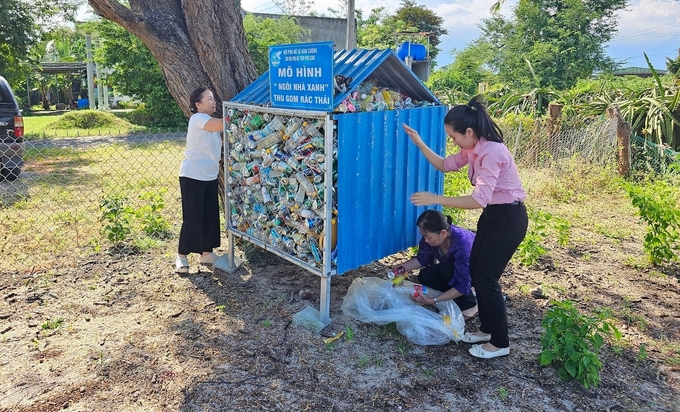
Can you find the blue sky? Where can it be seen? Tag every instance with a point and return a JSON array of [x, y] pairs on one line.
[[651, 26]]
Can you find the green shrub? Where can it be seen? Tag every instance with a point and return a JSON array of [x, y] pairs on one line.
[[572, 342], [658, 206], [86, 119]]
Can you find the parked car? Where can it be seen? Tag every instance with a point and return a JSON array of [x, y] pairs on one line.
[[11, 134]]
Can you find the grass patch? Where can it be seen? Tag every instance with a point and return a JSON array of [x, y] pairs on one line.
[[84, 123]]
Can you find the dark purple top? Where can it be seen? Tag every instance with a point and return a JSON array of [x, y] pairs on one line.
[[459, 253]]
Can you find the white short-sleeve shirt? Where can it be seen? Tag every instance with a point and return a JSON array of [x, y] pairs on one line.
[[202, 154]]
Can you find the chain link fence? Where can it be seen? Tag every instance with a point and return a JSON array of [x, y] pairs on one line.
[[78, 196]]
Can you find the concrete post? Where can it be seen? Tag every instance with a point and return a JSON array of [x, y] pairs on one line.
[[90, 70]]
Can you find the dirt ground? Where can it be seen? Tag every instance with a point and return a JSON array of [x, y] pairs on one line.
[[125, 333]]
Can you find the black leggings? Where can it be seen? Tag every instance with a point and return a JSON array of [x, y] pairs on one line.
[[501, 228], [200, 216], [438, 276]]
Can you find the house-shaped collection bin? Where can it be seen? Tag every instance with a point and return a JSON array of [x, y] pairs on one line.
[[375, 165]]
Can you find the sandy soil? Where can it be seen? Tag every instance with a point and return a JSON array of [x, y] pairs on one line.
[[125, 333]]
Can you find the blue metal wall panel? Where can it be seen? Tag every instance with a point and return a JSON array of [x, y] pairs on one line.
[[360, 65], [378, 169]]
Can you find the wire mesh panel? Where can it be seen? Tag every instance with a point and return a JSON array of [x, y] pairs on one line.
[[280, 178]]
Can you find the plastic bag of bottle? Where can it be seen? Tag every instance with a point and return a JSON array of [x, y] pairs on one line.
[[375, 300]]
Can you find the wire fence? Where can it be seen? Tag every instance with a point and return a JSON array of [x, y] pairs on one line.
[[78, 196]]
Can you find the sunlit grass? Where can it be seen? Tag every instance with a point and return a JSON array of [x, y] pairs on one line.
[[65, 187]]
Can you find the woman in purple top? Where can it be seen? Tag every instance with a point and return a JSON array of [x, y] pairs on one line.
[[503, 223], [450, 246]]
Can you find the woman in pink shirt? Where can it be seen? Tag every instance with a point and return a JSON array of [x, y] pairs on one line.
[[502, 224]]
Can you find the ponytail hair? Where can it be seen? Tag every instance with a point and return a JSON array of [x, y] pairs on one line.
[[195, 97], [473, 116], [433, 221]]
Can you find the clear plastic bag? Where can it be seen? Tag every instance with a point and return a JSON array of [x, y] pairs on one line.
[[374, 300]]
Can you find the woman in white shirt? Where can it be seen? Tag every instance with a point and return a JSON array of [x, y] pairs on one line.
[[200, 232]]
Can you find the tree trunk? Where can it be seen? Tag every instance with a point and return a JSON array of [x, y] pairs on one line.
[[198, 43]]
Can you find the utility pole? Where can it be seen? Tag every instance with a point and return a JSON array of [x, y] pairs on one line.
[[351, 40]]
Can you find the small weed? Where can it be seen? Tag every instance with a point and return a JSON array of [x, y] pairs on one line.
[[52, 324], [636, 262], [266, 323], [642, 353], [502, 393], [587, 257], [378, 362], [153, 222], [363, 361], [524, 289], [428, 372], [349, 333], [115, 213], [220, 308], [404, 347]]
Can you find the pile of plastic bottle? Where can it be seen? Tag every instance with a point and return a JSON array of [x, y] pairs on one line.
[[276, 181], [369, 97]]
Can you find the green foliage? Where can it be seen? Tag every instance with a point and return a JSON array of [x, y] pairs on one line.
[[349, 333], [52, 324], [564, 41], [572, 342], [376, 31], [153, 222], [262, 33], [659, 206], [459, 81], [115, 212], [456, 184], [531, 248], [22, 24], [136, 73], [423, 20]]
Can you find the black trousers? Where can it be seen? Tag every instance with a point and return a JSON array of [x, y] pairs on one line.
[[501, 228], [200, 230], [438, 276]]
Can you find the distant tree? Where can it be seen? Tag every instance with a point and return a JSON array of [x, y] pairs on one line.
[[22, 24], [424, 20], [195, 43], [563, 40], [377, 30], [262, 33], [673, 65], [135, 73], [469, 68]]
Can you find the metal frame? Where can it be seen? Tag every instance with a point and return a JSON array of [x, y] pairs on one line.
[[327, 271]]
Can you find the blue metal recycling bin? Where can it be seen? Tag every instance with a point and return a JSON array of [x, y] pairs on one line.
[[361, 164]]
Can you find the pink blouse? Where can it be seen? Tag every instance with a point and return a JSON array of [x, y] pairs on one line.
[[492, 172]]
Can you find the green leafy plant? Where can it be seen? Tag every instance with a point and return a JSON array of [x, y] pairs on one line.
[[153, 223], [642, 353], [115, 213], [502, 393], [52, 324], [572, 342], [658, 207], [349, 333], [531, 248], [266, 323]]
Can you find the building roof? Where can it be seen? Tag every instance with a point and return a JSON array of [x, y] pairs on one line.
[[637, 71]]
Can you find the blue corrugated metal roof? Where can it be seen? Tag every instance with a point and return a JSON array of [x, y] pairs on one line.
[[378, 170], [360, 65]]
